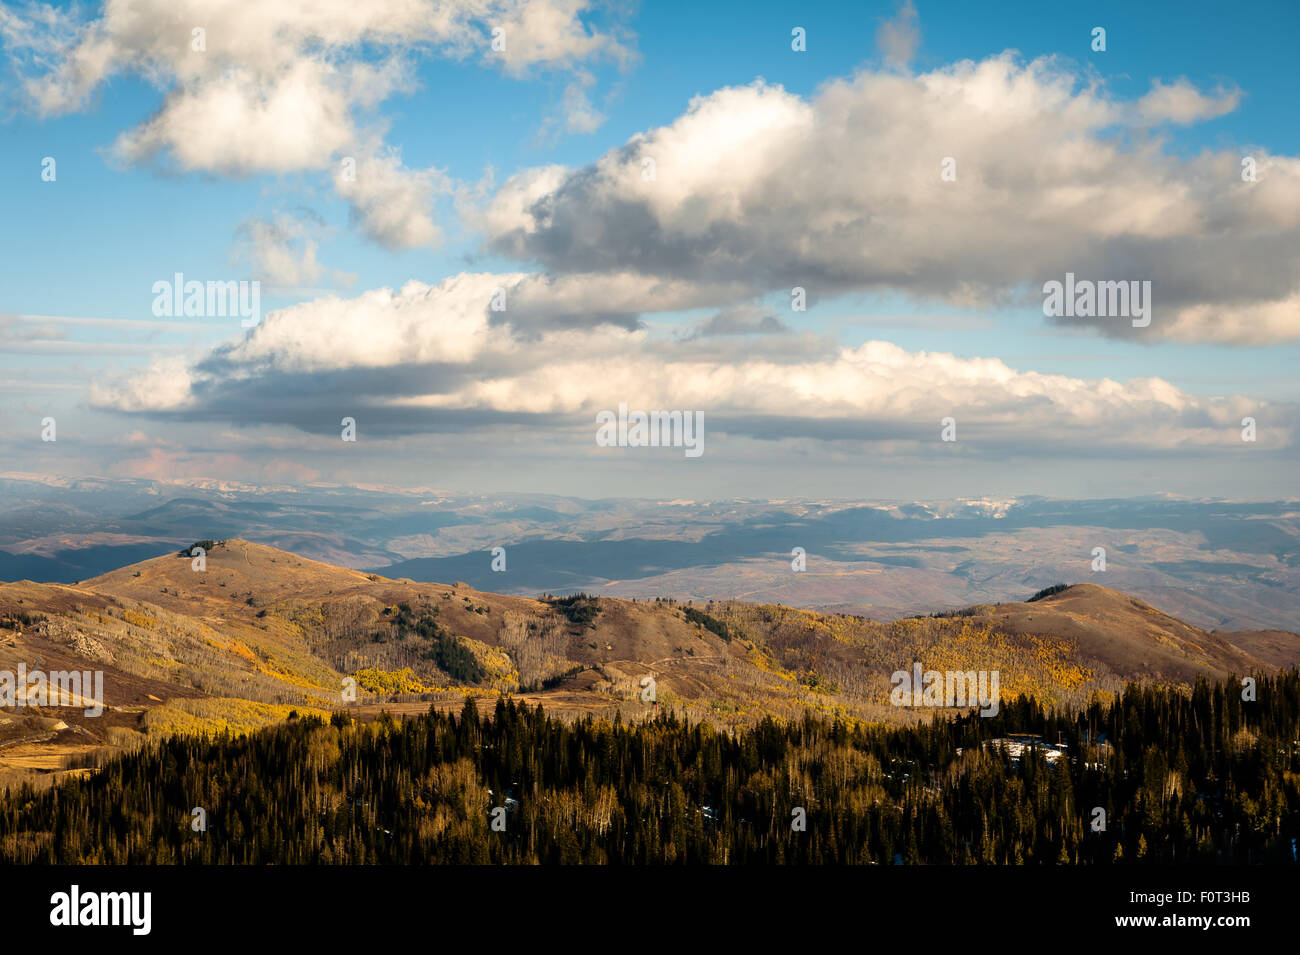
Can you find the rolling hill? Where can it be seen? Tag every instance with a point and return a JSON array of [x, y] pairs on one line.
[[254, 632]]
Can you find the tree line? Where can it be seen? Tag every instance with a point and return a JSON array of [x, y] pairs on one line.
[[1158, 775]]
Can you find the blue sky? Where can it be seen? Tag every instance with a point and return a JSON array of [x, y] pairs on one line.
[[91, 244]]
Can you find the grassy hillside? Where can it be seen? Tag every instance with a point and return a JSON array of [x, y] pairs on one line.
[[255, 630]]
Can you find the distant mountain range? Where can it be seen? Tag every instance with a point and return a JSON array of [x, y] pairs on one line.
[[1225, 565]]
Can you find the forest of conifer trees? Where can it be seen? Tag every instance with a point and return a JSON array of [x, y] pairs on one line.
[[1180, 777]]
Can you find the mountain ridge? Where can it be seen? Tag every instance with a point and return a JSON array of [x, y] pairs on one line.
[[253, 630]]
